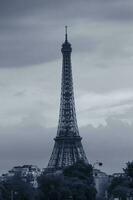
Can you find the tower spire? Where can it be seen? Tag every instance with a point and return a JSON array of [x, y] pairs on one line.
[[65, 33]]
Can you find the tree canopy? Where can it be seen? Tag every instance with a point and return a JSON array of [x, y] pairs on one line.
[[129, 170], [16, 188], [123, 185], [75, 182]]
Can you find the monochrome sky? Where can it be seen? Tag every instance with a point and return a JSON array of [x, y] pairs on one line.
[[31, 34]]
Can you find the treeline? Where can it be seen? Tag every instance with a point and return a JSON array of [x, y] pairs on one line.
[[122, 187], [75, 183]]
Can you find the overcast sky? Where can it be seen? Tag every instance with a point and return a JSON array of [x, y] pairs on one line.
[[31, 34]]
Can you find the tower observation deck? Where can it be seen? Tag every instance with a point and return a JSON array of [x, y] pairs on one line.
[[68, 148]]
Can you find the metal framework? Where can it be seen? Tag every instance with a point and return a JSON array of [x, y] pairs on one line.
[[68, 148]]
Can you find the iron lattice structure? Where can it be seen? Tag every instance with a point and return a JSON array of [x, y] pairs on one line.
[[68, 148]]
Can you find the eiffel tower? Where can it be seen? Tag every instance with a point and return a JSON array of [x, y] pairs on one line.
[[68, 148]]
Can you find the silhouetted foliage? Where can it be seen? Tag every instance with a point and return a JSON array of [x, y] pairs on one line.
[[51, 186], [123, 185], [75, 182], [79, 170], [121, 190], [117, 181], [16, 188], [129, 170]]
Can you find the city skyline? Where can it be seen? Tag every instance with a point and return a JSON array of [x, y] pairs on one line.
[[30, 69]]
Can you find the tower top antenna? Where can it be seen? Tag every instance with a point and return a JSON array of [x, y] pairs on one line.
[[65, 33]]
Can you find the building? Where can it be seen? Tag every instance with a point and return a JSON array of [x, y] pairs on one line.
[[117, 175], [102, 181], [68, 148], [28, 173]]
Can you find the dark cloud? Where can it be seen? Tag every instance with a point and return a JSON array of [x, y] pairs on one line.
[[29, 30], [114, 8], [19, 51]]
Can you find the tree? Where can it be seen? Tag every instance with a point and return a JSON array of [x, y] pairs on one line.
[[122, 186], [17, 188], [51, 186], [75, 181], [121, 192], [119, 187], [129, 170], [80, 170]]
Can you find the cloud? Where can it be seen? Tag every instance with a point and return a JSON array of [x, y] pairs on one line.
[[27, 92], [36, 89], [94, 101], [30, 31], [111, 144], [31, 143], [95, 8]]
